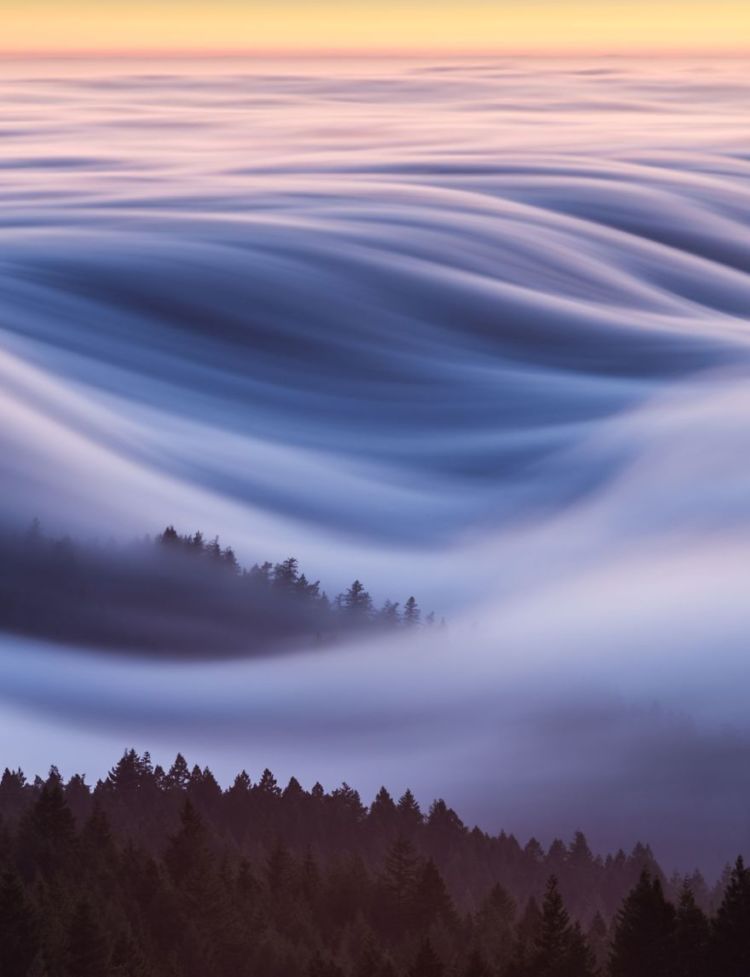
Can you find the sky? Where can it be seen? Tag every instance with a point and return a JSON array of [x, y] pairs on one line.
[[562, 26]]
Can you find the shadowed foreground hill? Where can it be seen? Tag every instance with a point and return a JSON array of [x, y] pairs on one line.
[[175, 595], [164, 874]]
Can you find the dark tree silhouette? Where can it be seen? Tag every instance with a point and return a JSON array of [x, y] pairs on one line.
[[411, 613], [644, 932], [86, 950], [19, 930], [731, 929], [692, 938], [476, 966], [177, 595], [154, 874], [356, 601], [558, 948], [426, 963]]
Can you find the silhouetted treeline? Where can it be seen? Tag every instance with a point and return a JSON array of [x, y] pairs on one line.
[[179, 595], [157, 873]]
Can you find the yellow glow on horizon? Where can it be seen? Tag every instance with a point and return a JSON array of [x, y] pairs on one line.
[[543, 25]]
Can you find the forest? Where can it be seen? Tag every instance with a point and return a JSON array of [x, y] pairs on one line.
[[176, 595], [163, 873]]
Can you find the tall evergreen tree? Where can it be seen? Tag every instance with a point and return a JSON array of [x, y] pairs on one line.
[[559, 949], [19, 928], [476, 966], [187, 856], [692, 938], [731, 931], [409, 814], [356, 601], [398, 883], [426, 963], [383, 814], [552, 945], [643, 940], [431, 900], [400, 874], [86, 950], [47, 832], [178, 776], [411, 613]]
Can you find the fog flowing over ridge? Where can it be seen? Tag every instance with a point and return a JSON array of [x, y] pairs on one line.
[[476, 330]]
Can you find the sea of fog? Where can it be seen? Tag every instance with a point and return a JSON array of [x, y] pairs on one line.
[[473, 330]]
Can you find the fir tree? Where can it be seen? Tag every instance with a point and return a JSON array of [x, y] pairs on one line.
[[356, 601], [731, 932], [411, 613], [644, 932], [19, 930], [47, 832], [401, 874], [692, 938], [187, 856], [476, 966], [86, 949], [432, 902], [426, 963]]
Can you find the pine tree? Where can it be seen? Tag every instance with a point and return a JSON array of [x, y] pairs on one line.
[[19, 931], [97, 843], [400, 874], [178, 776], [389, 615], [169, 537], [356, 601], [431, 900], [731, 931], [411, 613], [552, 945], [692, 938], [581, 960], [598, 940], [369, 958], [494, 924], [187, 855], [278, 869], [644, 932], [527, 934], [476, 966], [286, 574], [409, 815], [268, 786], [86, 950], [426, 963], [383, 812], [47, 832], [560, 949], [125, 777]]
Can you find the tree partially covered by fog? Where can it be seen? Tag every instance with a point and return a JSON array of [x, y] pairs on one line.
[[162, 873], [175, 594]]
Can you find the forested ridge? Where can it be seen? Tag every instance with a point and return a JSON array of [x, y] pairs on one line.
[[154, 873], [178, 595]]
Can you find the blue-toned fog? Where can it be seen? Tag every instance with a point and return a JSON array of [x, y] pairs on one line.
[[472, 330]]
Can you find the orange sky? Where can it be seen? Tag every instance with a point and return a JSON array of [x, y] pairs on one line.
[[507, 25]]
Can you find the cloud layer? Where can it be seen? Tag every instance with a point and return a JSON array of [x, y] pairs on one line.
[[475, 329]]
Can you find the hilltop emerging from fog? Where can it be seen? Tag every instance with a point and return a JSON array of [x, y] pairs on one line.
[[177, 595]]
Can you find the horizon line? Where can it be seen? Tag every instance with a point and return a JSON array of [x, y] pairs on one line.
[[377, 52]]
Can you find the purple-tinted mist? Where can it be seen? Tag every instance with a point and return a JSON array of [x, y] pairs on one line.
[[476, 329]]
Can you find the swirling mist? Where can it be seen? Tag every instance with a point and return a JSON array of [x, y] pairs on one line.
[[476, 329]]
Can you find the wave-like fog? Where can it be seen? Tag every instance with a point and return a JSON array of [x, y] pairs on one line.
[[474, 329]]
